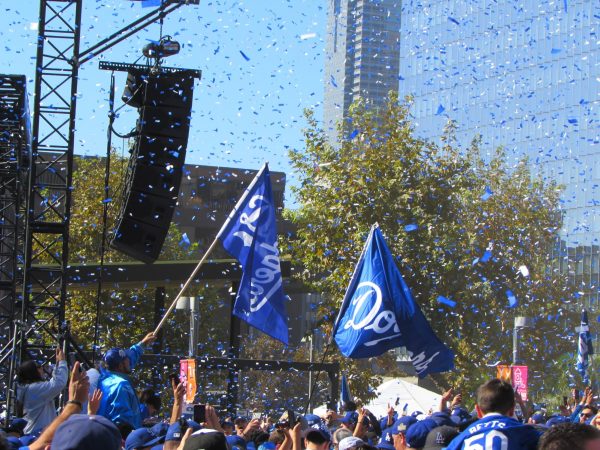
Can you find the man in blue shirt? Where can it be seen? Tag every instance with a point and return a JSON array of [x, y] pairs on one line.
[[119, 402], [496, 429]]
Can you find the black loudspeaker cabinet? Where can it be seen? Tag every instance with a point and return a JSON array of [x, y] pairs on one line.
[[155, 168]]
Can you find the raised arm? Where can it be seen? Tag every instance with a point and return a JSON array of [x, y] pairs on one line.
[[178, 394], [137, 350], [78, 391]]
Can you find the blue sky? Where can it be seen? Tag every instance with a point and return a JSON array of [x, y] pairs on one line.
[[245, 111]]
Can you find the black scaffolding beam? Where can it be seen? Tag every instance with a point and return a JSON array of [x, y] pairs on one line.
[[39, 323], [15, 151]]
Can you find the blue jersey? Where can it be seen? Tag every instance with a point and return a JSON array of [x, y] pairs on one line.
[[496, 432]]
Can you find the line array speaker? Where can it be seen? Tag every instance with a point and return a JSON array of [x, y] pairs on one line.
[[164, 103]]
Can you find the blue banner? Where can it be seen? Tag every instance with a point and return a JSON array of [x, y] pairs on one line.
[[250, 236], [379, 313], [345, 395], [584, 348]]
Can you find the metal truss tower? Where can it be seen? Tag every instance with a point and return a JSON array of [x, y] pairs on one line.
[[15, 151], [37, 314]]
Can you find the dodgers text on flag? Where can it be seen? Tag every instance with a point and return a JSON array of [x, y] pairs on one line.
[[379, 313], [249, 235]]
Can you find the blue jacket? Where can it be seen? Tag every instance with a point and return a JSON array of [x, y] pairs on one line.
[[119, 402]]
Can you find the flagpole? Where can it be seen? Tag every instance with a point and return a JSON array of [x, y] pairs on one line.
[[197, 268], [185, 286]]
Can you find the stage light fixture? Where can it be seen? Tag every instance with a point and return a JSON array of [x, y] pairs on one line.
[[161, 49]]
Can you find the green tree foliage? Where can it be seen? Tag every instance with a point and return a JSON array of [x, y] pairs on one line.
[[441, 209]]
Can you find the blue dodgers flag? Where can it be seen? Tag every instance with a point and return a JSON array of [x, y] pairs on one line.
[[249, 235], [345, 395], [584, 348], [379, 313]]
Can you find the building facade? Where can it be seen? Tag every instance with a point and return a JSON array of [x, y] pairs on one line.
[[362, 56], [525, 76]]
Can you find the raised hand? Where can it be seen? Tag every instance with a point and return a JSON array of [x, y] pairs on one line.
[[149, 338], [94, 402], [79, 385]]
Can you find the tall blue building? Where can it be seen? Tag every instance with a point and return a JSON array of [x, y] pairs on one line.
[[524, 75], [362, 56]]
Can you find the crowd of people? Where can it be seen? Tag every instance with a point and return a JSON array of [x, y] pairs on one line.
[[104, 412]]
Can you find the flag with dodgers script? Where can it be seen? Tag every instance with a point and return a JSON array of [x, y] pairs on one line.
[[584, 348], [249, 234], [379, 313]]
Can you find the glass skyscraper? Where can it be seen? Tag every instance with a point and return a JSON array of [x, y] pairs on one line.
[[362, 55], [524, 75]]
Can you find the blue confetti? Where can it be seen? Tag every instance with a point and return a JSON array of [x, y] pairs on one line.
[[333, 81], [512, 300], [487, 194], [353, 135], [572, 120], [453, 20], [244, 55], [486, 256], [185, 241], [440, 110], [446, 301], [108, 200], [555, 51], [411, 227]]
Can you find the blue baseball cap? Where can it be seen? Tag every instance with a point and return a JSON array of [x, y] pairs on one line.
[[317, 434], [89, 432], [267, 446], [14, 443], [29, 438], [350, 417], [555, 420], [387, 440], [114, 357], [312, 419], [147, 437], [417, 433], [538, 417], [17, 425], [460, 415], [442, 418], [402, 424], [235, 441], [175, 431]]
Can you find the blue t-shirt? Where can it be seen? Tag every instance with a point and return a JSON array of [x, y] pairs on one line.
[[496, 432]]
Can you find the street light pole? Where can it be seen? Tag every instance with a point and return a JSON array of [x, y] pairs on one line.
[[520, 322], [310, 378]]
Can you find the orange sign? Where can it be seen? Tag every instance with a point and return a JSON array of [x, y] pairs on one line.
[[503, 373], [187, 375]]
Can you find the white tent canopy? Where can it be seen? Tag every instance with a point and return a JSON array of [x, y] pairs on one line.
[[397, 393]]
